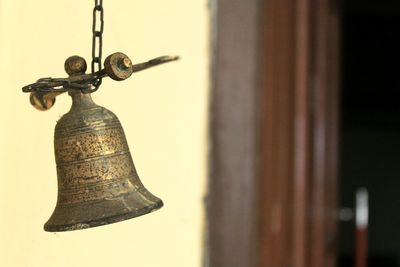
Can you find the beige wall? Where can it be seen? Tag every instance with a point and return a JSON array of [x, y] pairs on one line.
[[163, 112]]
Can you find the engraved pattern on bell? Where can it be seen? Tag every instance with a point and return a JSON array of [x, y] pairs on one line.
[[97, 180]]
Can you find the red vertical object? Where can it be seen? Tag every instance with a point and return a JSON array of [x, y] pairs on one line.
[[361, 257], [361, 248]]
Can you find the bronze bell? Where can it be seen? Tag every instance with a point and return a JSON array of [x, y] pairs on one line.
[[97, 180]]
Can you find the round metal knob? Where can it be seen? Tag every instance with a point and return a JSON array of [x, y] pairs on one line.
[[118, 66], [75, 65], [42, 101]]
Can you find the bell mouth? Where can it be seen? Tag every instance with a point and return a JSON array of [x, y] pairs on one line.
[[48, 227]]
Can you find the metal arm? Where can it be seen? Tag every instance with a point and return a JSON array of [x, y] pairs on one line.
[[117, 66]]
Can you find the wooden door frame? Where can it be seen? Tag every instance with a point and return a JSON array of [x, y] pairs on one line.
[[273, 128], [232, 201]]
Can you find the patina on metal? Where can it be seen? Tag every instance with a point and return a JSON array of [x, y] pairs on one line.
[[97, 180], [117, 66]]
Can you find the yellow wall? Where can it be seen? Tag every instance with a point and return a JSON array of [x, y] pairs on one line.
[[163, 112]]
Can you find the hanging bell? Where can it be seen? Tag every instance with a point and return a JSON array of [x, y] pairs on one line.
[[97, 180]]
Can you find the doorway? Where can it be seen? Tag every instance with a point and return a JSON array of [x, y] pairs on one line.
[[370, 127]]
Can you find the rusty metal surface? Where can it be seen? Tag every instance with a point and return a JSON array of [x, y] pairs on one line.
[[97, 180], [97, 40], [117, 66]]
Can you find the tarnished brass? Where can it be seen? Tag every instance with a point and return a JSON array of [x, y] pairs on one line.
[[97, 180], [43, 101], [117, 66]]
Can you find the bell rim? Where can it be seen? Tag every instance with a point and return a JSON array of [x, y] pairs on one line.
[[106, 220]]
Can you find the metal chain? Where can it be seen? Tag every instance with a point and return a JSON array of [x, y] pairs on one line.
[[97, 42], [90, 83]]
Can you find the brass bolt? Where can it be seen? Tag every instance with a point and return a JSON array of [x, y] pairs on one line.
[[118, 66], [126, 63]]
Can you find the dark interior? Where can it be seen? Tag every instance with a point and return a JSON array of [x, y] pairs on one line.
[[370, 126]]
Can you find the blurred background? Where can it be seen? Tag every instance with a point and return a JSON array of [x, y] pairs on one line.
[[371, 125], [163, 112], [273, 142]]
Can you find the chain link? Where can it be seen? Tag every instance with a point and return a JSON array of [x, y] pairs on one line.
[[91, 83], [97, 41]]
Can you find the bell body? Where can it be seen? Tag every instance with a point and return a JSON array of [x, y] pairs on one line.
[[97, 180]]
